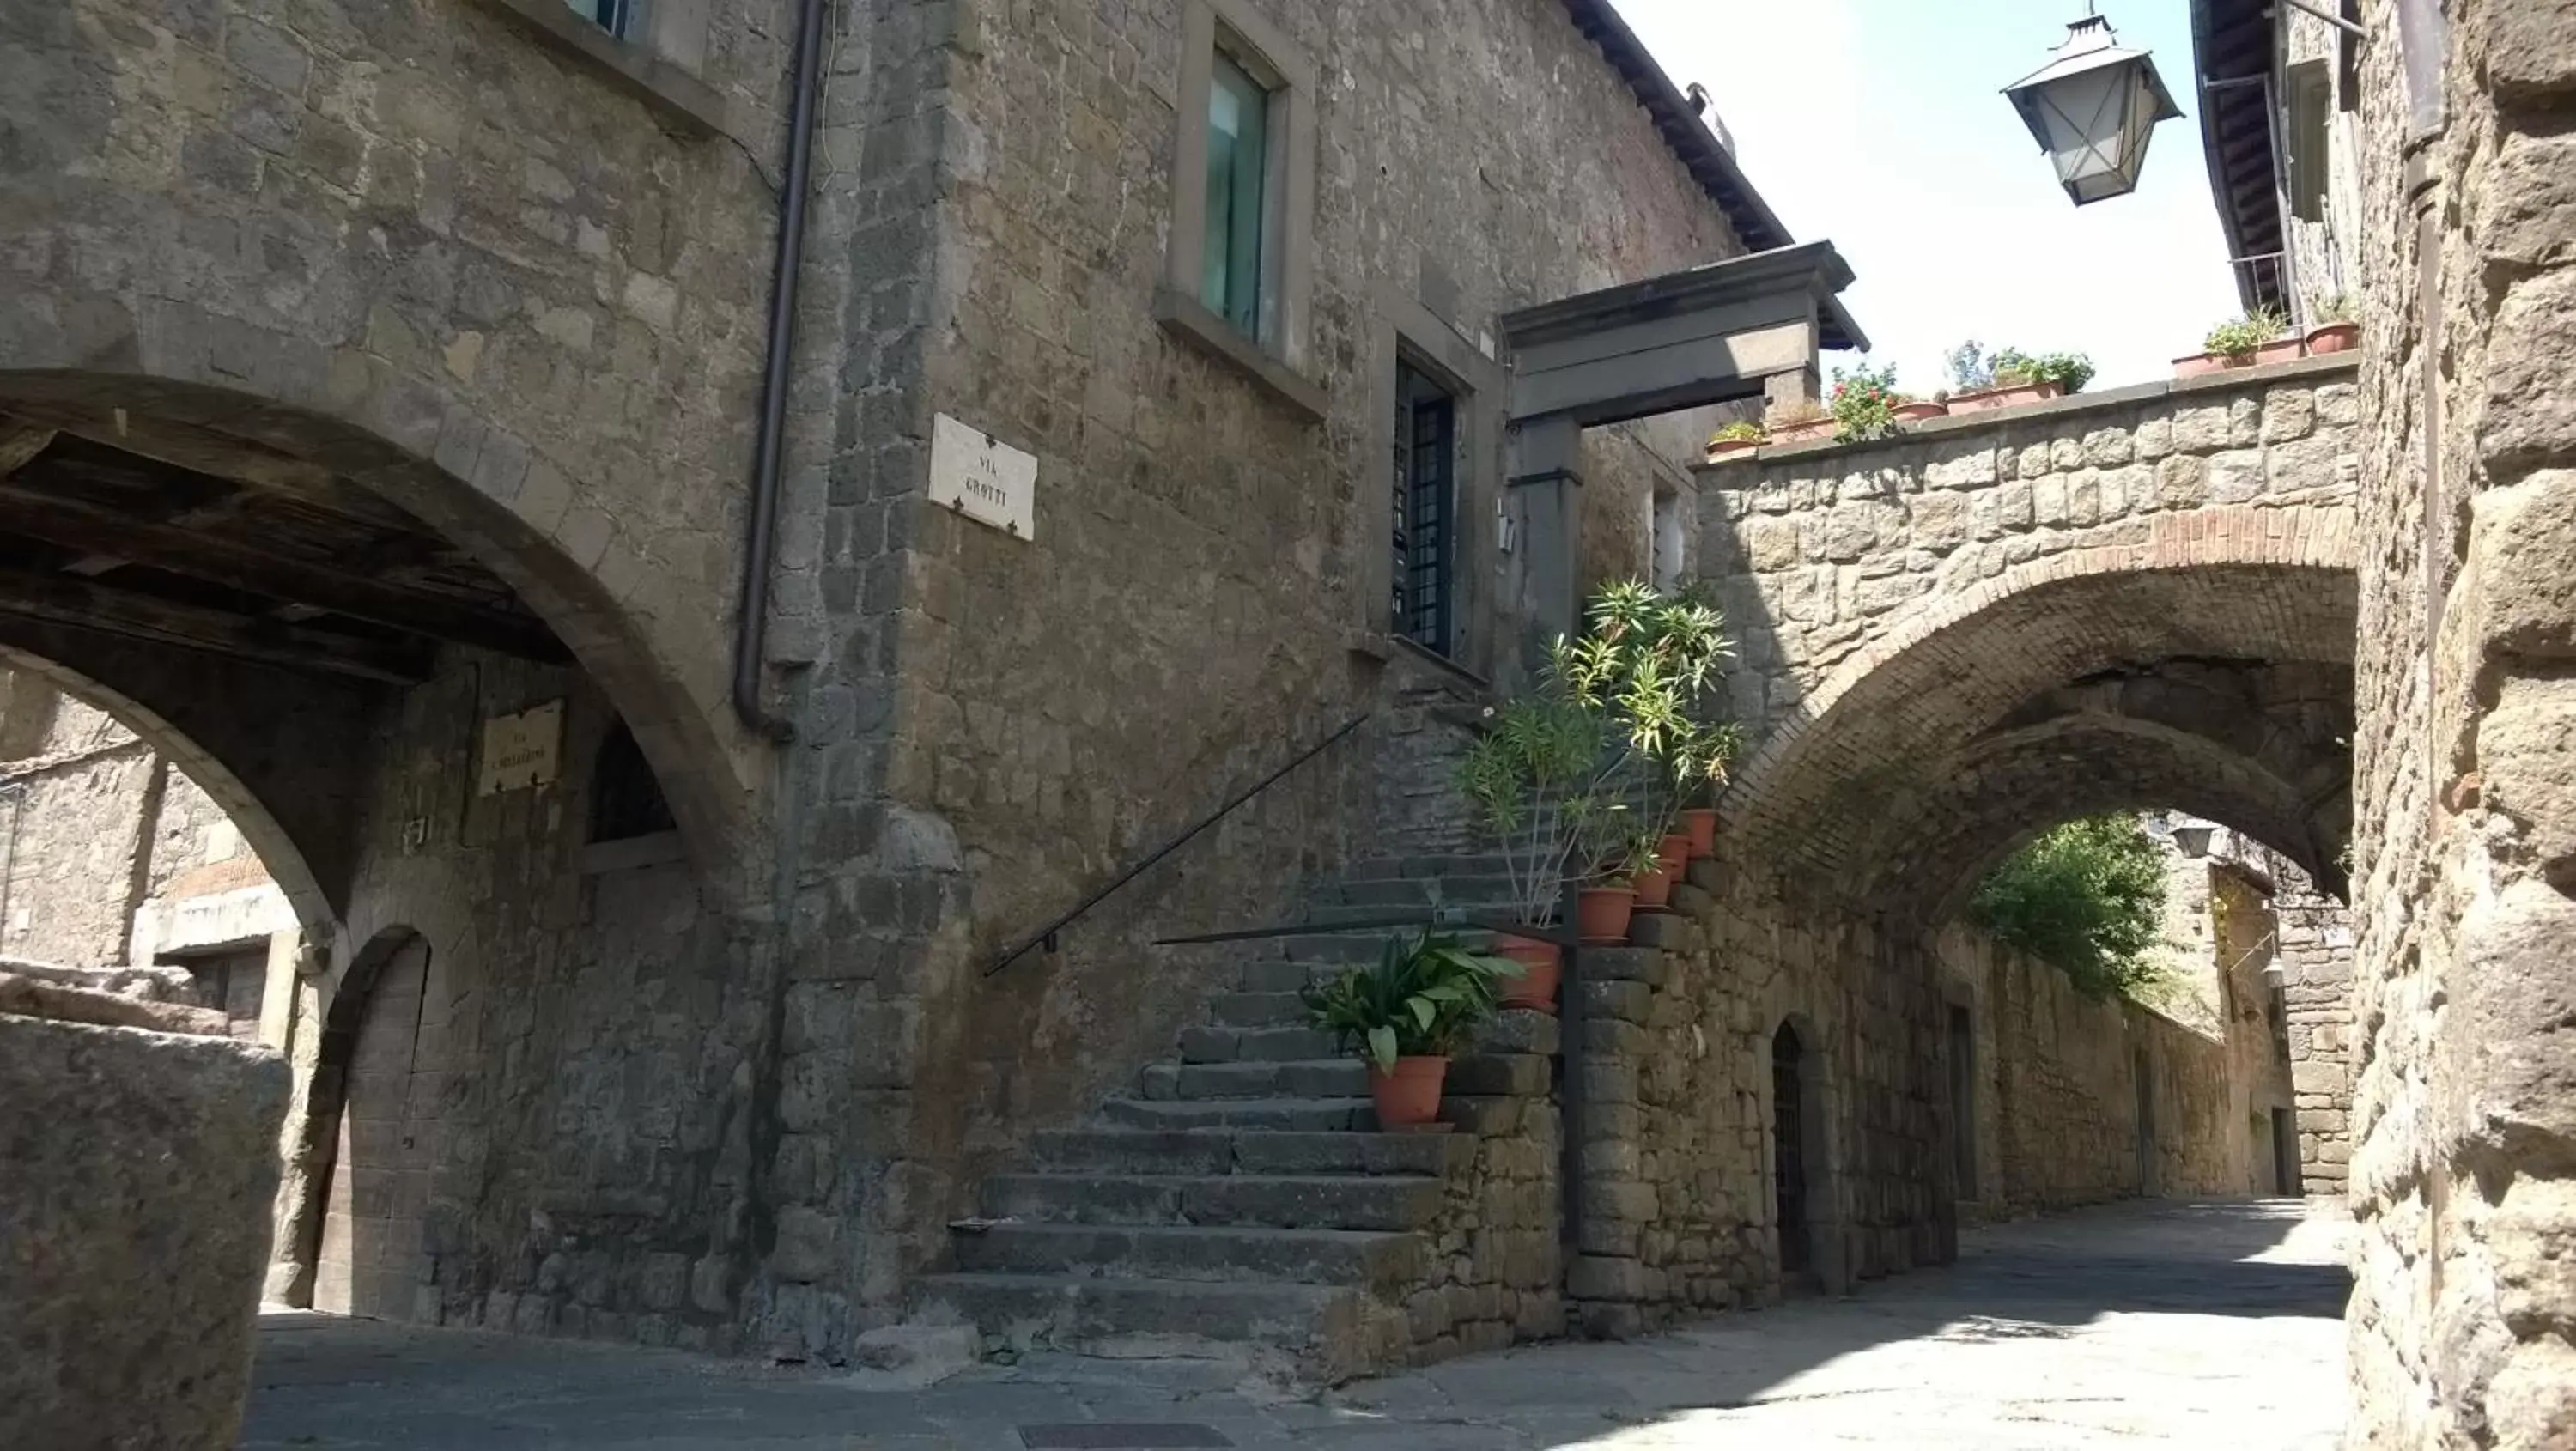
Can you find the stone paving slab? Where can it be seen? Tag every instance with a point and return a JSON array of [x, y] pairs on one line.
[[2146, 1325]]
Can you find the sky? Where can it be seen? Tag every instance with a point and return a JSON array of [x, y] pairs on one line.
[[1881, 125]]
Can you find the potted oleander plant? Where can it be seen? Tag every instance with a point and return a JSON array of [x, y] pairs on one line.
[[1736, 440], [1528, 782], [1406, 1015], [2337, 330]]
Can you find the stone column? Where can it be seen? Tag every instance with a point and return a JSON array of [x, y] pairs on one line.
[[1547, 469]]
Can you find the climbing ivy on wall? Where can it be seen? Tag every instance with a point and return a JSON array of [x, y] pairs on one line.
[[2088, 896]]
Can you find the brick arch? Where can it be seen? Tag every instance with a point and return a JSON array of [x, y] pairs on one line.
[[287, 840], [1885, 735], [439, 458]]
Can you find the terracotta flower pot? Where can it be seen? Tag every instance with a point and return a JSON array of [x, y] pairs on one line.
[[2333, 337], [1722, 449], [1411, 1094], [2199, 364], [1700, 825], [1917, 412], [1542, 966], [1674, 851], [1602, 912], [2005, 395], [1654, 887], [1812, 430], [2281, 350]]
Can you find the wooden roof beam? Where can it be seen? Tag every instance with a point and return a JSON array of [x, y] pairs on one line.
[[90, 605]]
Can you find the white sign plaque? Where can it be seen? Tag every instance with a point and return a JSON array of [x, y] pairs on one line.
[[982, 477], [522, 750]]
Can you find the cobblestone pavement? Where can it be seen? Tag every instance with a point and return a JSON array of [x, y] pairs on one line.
[[2142, 1325]]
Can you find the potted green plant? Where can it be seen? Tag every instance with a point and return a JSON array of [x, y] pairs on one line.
[[1703, 772], [2010, 377], [2337, 330], [2260, 336], [1863, 402], [1736, 440], [1405, 1015]]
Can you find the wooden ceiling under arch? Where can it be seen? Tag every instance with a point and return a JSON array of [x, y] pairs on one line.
[[152, 530]]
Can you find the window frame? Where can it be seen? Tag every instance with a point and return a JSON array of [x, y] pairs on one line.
[[656, 60], [1280, 336]]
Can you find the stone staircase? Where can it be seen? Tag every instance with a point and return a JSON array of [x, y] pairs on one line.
[[1241, 1201]]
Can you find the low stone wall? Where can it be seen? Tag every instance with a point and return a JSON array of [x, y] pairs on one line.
[[2055, 1116], [136, 1215], [1492, 1273]]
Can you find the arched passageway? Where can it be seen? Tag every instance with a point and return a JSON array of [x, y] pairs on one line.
[[510, 831]]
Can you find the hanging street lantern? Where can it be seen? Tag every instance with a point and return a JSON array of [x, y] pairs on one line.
[[2093, 108]]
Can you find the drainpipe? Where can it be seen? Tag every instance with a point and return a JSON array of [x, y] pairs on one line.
[[752, 628]]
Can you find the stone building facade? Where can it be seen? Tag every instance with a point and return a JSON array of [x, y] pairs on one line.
[[662, 844]]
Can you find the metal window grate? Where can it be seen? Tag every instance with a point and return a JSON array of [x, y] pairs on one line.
[[1426, 479]]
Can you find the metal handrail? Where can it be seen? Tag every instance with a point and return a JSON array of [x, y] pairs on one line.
[[1045, 936]]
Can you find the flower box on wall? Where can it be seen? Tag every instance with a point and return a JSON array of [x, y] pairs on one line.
[[1722, 449], [2333, 337], [1811, 430], [2008, 395], [1919, 410]]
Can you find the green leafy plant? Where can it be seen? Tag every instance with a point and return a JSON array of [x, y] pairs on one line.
[[2239, 339], [2070, 371], [2087, 896], [1864, 403], [1582, 776], [2338, 308], [1420, 999], [1737, 432]]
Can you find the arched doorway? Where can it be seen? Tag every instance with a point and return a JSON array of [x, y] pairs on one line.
[[1791, 1118], [385, 1049]]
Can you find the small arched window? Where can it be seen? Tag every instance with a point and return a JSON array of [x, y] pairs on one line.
[[625, 799]]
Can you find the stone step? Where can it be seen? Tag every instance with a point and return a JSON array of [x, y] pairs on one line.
[[1254, 1045], [1096, 1315], [1256, 1010], [1301, 1078], [1248, 1151], [1302, 1114], [1272, 1201], [1415, 868], [1376, 1258]]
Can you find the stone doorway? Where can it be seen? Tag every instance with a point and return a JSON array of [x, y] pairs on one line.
[[1789, 1157], [377, 1198]]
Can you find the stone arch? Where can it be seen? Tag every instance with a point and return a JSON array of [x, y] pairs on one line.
[[1884, 756], [282, 841], [441, 460]]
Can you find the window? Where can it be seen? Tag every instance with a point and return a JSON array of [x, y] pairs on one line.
[[2311, 102], [617, 17], [1426, 506], [1239, 272], [1238, 163], [625, 799]]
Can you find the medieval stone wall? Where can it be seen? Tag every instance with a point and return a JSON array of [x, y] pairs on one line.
[[2464, 1114], [2316, 957], [2057, 1102], [1006, 723]]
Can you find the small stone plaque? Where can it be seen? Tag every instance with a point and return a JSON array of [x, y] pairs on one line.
[[983, 478], [522, 750]]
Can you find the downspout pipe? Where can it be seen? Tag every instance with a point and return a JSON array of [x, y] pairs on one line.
[[751, 628]]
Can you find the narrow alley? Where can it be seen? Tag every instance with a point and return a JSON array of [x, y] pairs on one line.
[[2146, 1324]]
